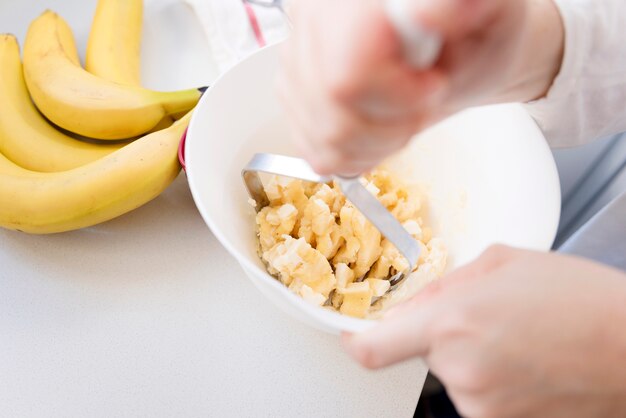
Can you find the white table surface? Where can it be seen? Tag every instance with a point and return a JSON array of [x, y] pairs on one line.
[[147, 315]]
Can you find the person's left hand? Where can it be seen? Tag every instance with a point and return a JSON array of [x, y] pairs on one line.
[[515, 334]]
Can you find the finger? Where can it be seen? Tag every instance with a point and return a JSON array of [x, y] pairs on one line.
[[358, 137], [307, 55], [356, 53], [397, 91], [295, 113], [297, 84], [432, 290], [489, 261], [288, 88], [380, 139], [330, 133], [320, 159], [340, 137], [326, 161], [454, 18], [297, 104], [396, 338], [329, 162]]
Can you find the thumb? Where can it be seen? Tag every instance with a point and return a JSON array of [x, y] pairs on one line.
[[395, 338], [409, 330]]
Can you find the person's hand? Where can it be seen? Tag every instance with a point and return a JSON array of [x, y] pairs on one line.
[[515, 334], [353, 100]]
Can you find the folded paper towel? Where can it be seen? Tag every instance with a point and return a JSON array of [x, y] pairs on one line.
[[230, 31]]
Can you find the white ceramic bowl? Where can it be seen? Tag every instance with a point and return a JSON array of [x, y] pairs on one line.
[[488, 174]]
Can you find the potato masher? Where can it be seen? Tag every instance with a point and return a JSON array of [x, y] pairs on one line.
[[421, 49], [352, 188]]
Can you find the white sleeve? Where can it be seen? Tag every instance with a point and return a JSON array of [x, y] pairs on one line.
[[588, 97]]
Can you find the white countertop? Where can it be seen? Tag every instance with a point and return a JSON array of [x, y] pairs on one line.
[[147, 315]]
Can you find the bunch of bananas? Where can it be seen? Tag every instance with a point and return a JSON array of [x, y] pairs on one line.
[[52, 178]]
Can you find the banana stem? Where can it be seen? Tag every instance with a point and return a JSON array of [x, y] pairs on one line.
[[179, 102]]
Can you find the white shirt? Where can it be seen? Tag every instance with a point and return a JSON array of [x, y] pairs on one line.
[[587, 100], [588, 97]]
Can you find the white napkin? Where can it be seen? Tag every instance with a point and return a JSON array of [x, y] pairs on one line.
[[229, 30]]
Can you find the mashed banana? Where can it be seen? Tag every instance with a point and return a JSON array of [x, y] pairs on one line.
[[320, 246]]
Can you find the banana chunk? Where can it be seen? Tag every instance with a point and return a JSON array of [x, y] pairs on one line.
[[369, 244], [274, 222], [312, 297], [379, 286], [323, 249], [300, 264], [357, 299]]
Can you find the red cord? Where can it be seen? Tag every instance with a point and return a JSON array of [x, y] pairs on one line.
[[254, 22], [181, 150]]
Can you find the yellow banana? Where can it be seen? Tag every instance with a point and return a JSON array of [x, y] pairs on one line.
[[8, 167], [44, 203], [114, 47], [83, 103], [26, 138]]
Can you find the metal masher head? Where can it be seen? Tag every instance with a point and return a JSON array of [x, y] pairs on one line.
[[352, 188]]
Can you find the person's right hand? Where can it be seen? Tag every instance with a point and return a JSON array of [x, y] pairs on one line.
[[344, 57]]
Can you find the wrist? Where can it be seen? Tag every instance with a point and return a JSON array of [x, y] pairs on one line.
[[611, 340], [542, 51], [594, 368]]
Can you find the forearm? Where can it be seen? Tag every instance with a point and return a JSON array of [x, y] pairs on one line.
[[586, 100], [613, 338], [602, 368], [541, 53], [613, 377]]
